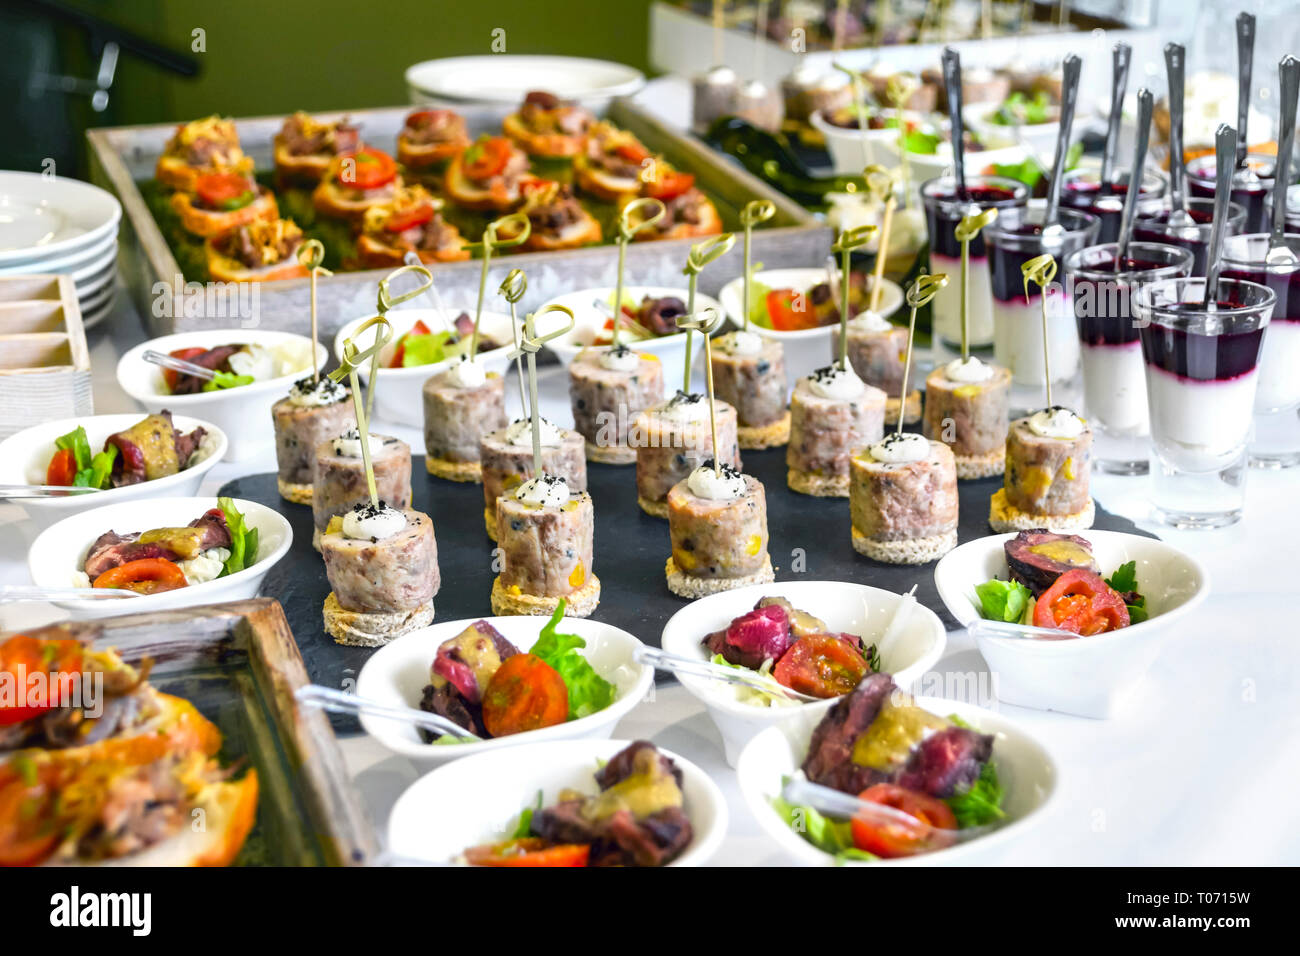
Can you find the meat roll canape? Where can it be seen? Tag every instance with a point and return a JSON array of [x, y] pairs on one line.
[[1046, 484], [222, 202], [305, 147], [557, 218], [608, 388], [340, 476], [410, 221], [382, 565], [833, 415], [548, 127], [749, 375], [428, 139], [687, 211], [209, 145], [545, 536], [356, 182], [877, 348], [461, 405], [672, 439], [966, 408], [903, 500], [314, 411], [610, 164], [506, 456], [717, 521], [259, 251], [487, 175]]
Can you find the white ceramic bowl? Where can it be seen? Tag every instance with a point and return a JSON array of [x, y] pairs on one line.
[[59, 551], [398, 672], [670, 349], [502, 79], [1088, 676], [844, 607], [243, 413], [852, 150], [477, 800], [42, 217], [400, 397], [806, 350], [25, 456], [1040, 137], [1025, 769]]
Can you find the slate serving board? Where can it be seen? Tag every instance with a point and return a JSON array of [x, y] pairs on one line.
[[630, 550]]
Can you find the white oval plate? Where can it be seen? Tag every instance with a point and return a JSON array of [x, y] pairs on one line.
[[504, 79], [43, 216]]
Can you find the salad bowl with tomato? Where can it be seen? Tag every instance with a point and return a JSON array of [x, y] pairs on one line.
[[1069, 623], [421, 347], [812, 659], [787, 306], [255, 538], [43, 454], [598, 689]]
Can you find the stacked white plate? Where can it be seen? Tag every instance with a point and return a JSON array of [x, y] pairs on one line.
[[53, 225], [501, 80]]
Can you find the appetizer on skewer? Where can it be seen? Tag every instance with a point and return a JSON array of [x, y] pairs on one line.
[[610, 165], [833, 415], [1048, 469], [547, 127], [672, 439], [428, 139], [506, 456], [305, 147], [608, 389], [356, 182], [487, 175], [382, 565], [259, 251], [461, 405], [749, 375], [966, 407], [876, 349], [152, 448], [222, 202], [717, 520], [689, 212], [340, 482], [410, 221], [903, 500], [315, 411], [208, 145]]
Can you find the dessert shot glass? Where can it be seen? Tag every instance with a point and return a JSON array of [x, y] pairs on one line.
[[944, 210], [1083, 189], [1202, 369], [1251, 184], [1151, 224], [1014, 238], [1276, 442], [1114, 380]]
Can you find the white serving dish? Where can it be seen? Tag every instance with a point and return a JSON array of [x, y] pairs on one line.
[[43, 217], [243, 413], [398, 672], [852, 150], [1040, 137], [806, 350], [669, 349], [502, 79], [1025, 769], [400, 396], [844, 607], [59, 551], [478, 800], [68, 262], [25, 456], [1087, 676]]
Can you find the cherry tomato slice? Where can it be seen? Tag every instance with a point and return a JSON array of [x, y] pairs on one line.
[[487, 158], [402, 219], [224, 190], [145, 576], [790, 310], [528, 851], [891, 839], [822, 665], [367, 168], [62, 469], [525, 693], [27, 835], [22, 656], [1080, 602], [669, 185], [632, 151], [171, 377]]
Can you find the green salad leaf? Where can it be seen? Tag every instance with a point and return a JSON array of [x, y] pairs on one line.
[[588, 691], [243, 539], [76, 442], [525, 826], [1020, 110], [981, 803], [1003, 600], [830, 836], [922, 142], [424, 349], [758, 314], [223, 380], [1124, 580], [93, 471]]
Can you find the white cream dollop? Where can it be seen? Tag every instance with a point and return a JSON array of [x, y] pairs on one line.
[[621, 359], [836, 383], [520, 433], [740, 342], [686, 408], [318, 393], [348, 445], [726, 484], [549, 491], [970, 369], [870, 321], [901, 448], [1056, 422], [467, 373], [368, 523]]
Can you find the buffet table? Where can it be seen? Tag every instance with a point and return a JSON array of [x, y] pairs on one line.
[[1213, 731]]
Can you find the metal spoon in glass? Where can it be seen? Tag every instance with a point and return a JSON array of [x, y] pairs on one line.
[[1279, 253]]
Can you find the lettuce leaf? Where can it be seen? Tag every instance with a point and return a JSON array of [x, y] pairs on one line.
[[830, 836], [424, 349], [76, 442], [93, 471], [243, 539], [525, 826], [588, 691], [1003, 600], [981, 803], [1124, 580], [222, 380]]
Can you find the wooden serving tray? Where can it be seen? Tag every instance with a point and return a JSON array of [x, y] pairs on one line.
[[239, 665], [44, 362]]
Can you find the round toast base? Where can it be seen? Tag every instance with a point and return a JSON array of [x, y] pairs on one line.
[[361, 629], [684, 585], [611, 454], [907, 550], [655, 509], [294, 492], [581, 603], [819, 486], [970, 467], [911, 409], [758, 437], [315, 538], [490, 522], [463, 471], [1003, 516]]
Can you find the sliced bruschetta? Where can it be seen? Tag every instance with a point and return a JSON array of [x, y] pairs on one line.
[[204, 145], [305, 147], [610, 164], [355, 182], [429, 138], [256, 252], [221, 202], [410, 222], [487, 175], [557, 218], [548, 127]]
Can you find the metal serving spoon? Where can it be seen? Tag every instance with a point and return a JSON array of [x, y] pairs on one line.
[[1070, 70], [1225, 147], [1279, 253], [1145, 106], [1121, 56], [952, 84], [1175, 70]]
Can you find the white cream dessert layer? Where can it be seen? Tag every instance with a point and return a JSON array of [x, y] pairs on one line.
[[1200, 426], [946, 305], [348, 445], [836, 383], [317, 393], [520, 433], [365, 522], [683, 407], [621, 359], [1018, 339], [547, 491], [1115, 388], [724, 484], [1279, 367]]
